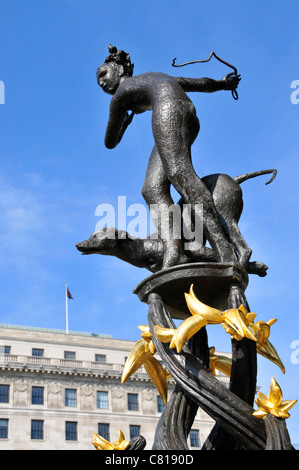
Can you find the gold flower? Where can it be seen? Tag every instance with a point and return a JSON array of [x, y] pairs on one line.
[[235, 321], [273, 404], [142, 354], [101, 444]]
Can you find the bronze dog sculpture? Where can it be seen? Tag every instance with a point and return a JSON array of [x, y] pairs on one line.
[[149, 252]]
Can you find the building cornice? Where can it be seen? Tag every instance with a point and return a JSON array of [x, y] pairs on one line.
[[53, 366]]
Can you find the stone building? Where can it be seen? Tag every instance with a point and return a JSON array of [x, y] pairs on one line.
[[57, 389]]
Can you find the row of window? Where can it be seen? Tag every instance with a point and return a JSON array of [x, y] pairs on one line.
[[70, 398], [71, 431], [70, 355]]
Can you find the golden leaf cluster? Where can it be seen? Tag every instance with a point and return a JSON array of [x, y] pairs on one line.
[[236, 321], [142, 354], [273, 404], [102, 444]]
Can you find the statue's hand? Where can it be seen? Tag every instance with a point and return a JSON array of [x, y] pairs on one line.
[[231, 81], [126, 122], [128, 119]]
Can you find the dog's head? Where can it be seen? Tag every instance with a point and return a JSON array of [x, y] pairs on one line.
[[101, 242]]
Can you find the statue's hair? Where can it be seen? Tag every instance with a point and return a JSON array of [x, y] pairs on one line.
[[120, 57]]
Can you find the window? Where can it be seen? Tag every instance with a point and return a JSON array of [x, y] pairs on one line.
[[3, 428], [70, 397], [104, 431], [100, 358], [37, 395], [70, 431], [37, 352], [4, 393], [5, 349], [102, 400], [134, 431], [70, 355], [37, 429], [194, 438], [133, 402], [160, 404]]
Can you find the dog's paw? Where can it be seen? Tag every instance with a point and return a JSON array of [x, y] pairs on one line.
[[256, 267]]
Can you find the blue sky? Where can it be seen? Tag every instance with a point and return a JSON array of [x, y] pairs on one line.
[[55, 170]]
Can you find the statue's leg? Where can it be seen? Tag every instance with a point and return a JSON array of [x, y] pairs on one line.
[[243, 249], [175, 128], [156, 193]]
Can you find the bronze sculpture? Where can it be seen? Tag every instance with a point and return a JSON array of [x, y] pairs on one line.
[[216, 278], [175, 127]]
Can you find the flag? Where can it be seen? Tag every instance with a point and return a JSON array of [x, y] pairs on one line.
[[69, 294]]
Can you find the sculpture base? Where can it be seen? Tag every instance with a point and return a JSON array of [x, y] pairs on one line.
[[212, 283]]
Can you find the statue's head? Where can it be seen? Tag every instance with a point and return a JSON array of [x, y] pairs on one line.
[[117, 65]]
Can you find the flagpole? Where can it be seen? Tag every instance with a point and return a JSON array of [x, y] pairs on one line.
[[66, 310]]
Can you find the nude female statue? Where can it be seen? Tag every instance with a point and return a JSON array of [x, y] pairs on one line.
[[175, 127]]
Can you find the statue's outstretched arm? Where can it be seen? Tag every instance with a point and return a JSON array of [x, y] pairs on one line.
[[205, 85], [209, 85]]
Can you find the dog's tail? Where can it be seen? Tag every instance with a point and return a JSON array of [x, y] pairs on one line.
[[240, 179]]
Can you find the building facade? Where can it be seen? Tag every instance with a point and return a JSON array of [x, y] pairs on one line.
[[57, 389]]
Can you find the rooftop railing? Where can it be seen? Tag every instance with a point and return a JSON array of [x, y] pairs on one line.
[[14, 361]]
